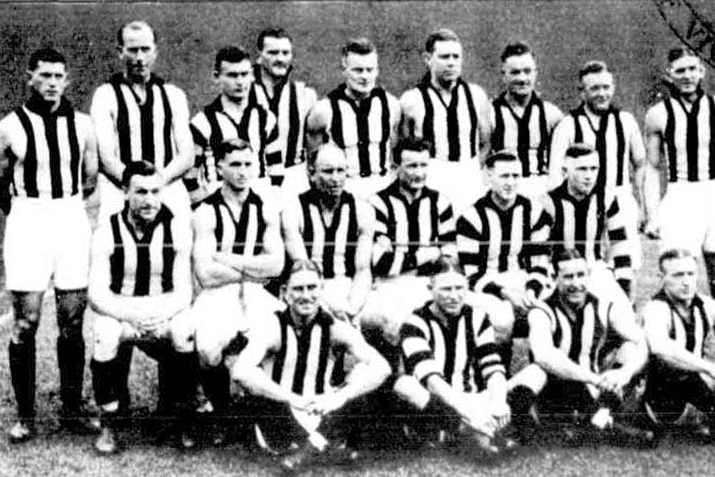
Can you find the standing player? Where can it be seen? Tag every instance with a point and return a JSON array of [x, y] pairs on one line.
[[330, 226], [360, 117], [293, 365], [615, 136], [586, 352], [140, 291], [523, 122], [678, 322], [237, 245], [678, 134], [498, 241], [234, 114], [48, 162], [138, 116]]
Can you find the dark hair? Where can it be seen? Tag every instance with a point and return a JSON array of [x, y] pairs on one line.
[[312, 156], [443, 34], [301, 264], [517, 48], [409, 143], [358, 46], [679, 52], [48, 55], [504, 155], [564, 255], [579, 149], [228, 146], [134, 25], [592, 67], [230, 54], [673, 253], [137, 168], [271, 33], [444, 264]]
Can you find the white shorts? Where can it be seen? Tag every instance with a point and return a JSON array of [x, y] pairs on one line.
[[461, 182], [687, 216], [44, 239]]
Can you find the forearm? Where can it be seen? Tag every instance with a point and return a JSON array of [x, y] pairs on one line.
[[497, 388], [557, 363], [651, 191], [364, 378], [637, 353], [258, 383], [361, 284], [680, 358], [177, 168], [265, 265], [216, 274], [439, 388], [129, 309]]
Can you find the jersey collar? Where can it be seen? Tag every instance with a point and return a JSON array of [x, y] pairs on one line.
[[41, 107]]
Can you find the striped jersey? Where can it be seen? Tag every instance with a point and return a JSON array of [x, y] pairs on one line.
[[144, 266], [527, 134], [688, 140], [363, 130], [46, 149], [452, 129], [491, 240], [459, 349], [595, 226], [257, 126], [309, 362], [290, 104], [689, 332], [425, 222], [242, 235], [332, 245], [587, 339]]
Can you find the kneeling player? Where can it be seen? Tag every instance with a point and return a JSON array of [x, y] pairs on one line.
[[586, 352], [293, 365], [140, 290], [448, 346], [678, 321]]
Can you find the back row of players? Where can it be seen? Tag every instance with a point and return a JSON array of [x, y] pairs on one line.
[[349, 262]]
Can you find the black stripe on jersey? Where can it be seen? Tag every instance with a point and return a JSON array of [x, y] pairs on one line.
[[692, 139], [168, 120], [363, 132], [452, 126], [30, 163], [218, 230], [601, 149], [601, 145], [50, 123], [688, 323], [215, 134], [294, 125], [386, 130], [241, 225], [670, 141], [711, 161], [146, 112], [428, 120], [543, 149], [116, 259], [336, 124], [620, 149], [123, 128], [322, 359], [469, 329], [472, 118], [304, 345], [74, 150], [281, 355], [168, 254], [523, 136]]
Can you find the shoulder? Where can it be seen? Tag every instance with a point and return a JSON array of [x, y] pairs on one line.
[[204, 217], [364, 212], [321, 111], [9, 122], [478, 92], [553, 113], [411, 99], [174, 92], [103, 91], [413, 326], [655, 309], [656, 115]]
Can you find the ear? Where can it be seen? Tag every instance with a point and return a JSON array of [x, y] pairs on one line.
[[426, 56]]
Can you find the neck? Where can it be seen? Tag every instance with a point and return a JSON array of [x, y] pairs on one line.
[[502, 203], [441, 315], [270, 81], [139, 225], [443, 86], [595, 112], [576, 194], [680, 305], [235, 196], [40, 103], [236, 104], [355, 95], [137, 80], [301, 320], [410, 193], [518, 100], [568, 306], [328, 202]]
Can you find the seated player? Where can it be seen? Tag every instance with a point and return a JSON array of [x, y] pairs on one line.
[[331, 226], [140, 291], [293, 367], [586, 352], [498, 239], [448, 346], [237, 245], [678, 323]]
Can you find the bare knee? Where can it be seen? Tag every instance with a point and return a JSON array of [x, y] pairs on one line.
[[28, 308], [71, 305]]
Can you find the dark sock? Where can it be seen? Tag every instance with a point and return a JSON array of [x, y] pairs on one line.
[[123, 364], [22, 371], [70, 357], [104, 380], [217, 387]]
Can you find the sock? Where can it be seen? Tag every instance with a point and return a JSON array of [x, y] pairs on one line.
[[70, 357], [22, 371]]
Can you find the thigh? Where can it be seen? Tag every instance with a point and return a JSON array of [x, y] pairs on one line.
[[27, 248], [217, 317], [182, 329], [532, 376], [109, 333], [72, 238], [679, 229]]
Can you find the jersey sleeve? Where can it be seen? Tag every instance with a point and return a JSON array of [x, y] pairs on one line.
[[621, 247], [488, 359], [416, 352], [446, 227], [469, 239]]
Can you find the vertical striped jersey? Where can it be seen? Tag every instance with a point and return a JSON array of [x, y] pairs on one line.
[[528, 135], [363, 130], [144, 266], [425, 222], [257, 126], [46, 149], [453, 129], [309, 362], [492, 240], [332, 245], [691, 332], [242, 235], [459, 349], [290, 104], [595, 226]]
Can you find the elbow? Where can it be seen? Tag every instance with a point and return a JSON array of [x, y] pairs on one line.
[[382, 369]]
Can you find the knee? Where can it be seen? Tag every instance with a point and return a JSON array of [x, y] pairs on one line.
[[182, 338], [411, 391], [106, 345], [71, 305], [210, 356], [25, 328]]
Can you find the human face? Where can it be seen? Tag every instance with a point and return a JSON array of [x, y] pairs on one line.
[[237, 169], [276, 56], [504, 180], [235, 80], [143, 197], [686, 73], [582, 172], [412, 171], [302, 293], [445, 62], [329, 172], [138, 53], [679, 278], [49, 80], [448, 290], [519, 75], [597, 91], [571, 280], [360, 73]]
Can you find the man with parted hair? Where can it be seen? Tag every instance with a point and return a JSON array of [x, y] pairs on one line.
[[360, 117], [523, 121], [678, 137], [48, 164], [235, 114], [139, 116]]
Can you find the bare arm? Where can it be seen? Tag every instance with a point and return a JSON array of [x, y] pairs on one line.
[[103, 112], [5, 169], [210, 273], [184, 159], [638, 156], [408, 105], [317, 124], [654, 131], [561, 139], [290, 226], [622, 320], [90, 161], [362, 280], [486, 124]]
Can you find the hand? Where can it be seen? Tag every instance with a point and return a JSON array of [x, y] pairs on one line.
[[427, 254], [652, 229], [383, 244], [614, 380], [298, 402], [325, 403], [501, 412], [481, 422], [157, 326], [519, 298]]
